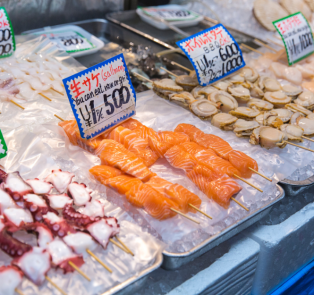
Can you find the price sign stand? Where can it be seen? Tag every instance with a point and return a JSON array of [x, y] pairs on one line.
[[213, 53], [7, 38], [296, 35], [101, 97]]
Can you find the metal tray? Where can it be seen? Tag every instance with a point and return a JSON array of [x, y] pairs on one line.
[[293, 188], [175, 260], [133, 284]]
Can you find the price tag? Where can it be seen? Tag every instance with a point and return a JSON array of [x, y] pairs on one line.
[[171, 14], [297, 36], [101, 96], [3, 146], [213, 53], [70, 41], [7, 39]]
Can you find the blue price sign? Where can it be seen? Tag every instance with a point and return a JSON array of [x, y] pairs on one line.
[[213, 53]]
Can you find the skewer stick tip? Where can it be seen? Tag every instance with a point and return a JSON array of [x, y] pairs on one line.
[[59, 117], [78, 270], [239, 203], [119, 246], [124, 245], [252, 185], [300, 146], [11, 100], [260, 174], [55, 285], [18, 291], [307, 138], [197, 209], [98, 260], [184, 215], [43, 95], [169, 72]]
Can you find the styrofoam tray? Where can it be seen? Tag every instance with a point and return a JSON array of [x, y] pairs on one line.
[[92, 43]]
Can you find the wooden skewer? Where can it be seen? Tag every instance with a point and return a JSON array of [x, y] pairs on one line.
[[98, 260], [200, 211], [275, 43], [18, 291], [181, 66], [265, 45], [43, 95], [168, 51], [184, 215], [78, 270], [260, 174], [251, 48], [11, 100], [307, 138], [148, 80], [118, 245], [239, 203], [55, 285], [252, 185], [302, 147], [58, 117], [57, 91], [170, 73], [124, 245]]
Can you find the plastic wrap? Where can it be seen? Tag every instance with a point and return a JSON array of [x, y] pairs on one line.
[[35, 151]]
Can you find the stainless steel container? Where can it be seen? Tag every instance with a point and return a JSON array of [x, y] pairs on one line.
[[293, 188]]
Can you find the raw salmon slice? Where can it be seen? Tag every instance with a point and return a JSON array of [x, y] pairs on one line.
[[190, 130], [148, 156], [179, 158], [69, 129], [242, 162], [103, 172], [204, 171], [193, 148], [160, 148], [122, 183], [131, 124], [154, 203], [116, 155]]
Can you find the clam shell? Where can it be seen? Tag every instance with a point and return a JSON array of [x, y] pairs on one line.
[[297, 108], [167, 84], [239, 92], [277, 98], [268, 137], [293, 132], [224, 121], [186, 80], [291, 90], [283, 114], [306, 100], [249, 74], [267, 11], [183, 99], [261, 105], [244, 128], [203, 108], [228, 102], [244, 113]]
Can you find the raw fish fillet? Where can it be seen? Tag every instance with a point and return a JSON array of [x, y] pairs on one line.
[[131, 124], [179, 158], [145, 132], [204, 171], [154, 203], [175, 192], [122, 183], [103, 172], [193, 148], [242, 162], [116, 155], [69, 128], [148, 156], [160, 148]]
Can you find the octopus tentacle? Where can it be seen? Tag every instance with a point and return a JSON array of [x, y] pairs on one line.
[[58, 226]]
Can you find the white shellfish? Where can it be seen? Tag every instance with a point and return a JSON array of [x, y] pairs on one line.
[[224, 121], [239, 92], [244, 128], [228, 102], [261, 105], [306, 100], [244, 113], [293, 132], [203, 108], [268, 137], [278, 98]]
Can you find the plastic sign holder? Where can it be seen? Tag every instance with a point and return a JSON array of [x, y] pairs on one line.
[[297, 36], [101, 97], [213, 53]]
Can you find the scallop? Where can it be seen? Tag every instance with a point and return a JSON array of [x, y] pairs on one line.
[[202, 91], [186, 82], [240, 93], [294, 118], [236, 79], [277, 98], [244, 128], [306, 100], [224, 121], [291, 90], [306, 124], [244, 113], [297, 108], [257, 92], [268, 84], [293, 132], [249, 74], [222, 85], [259, 104], [306, 71], [183, 99], [268, 137], [283, 114], [228, 102], [203, 108], [167, 84]]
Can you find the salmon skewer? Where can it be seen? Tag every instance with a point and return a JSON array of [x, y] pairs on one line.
[[102, 172], [116, 155], [176, 192]]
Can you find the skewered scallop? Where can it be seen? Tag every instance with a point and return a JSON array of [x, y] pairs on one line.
[[167, 84], [186, 82], [293, 132], [228, 102], [297, 108], [224, 121], [244, 113], [283, 114], [291, 90], [222, 85], [200, 91], [294, 118], [269, 119], [203, 108], [277, 98], [249, 74], [256, 91], [244, 128], [268, 84], [239, 92], [183, 99], [306, 100], [306, 124], [261, 105], [268, 137]]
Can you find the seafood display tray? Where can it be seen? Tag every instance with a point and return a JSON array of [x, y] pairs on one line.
[[293, 188], [175, 260]]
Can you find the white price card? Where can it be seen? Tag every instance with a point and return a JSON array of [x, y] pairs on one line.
[[213, 53], [7, 38], [297, 36], [70, 41], [101, 96], [171, 14]]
